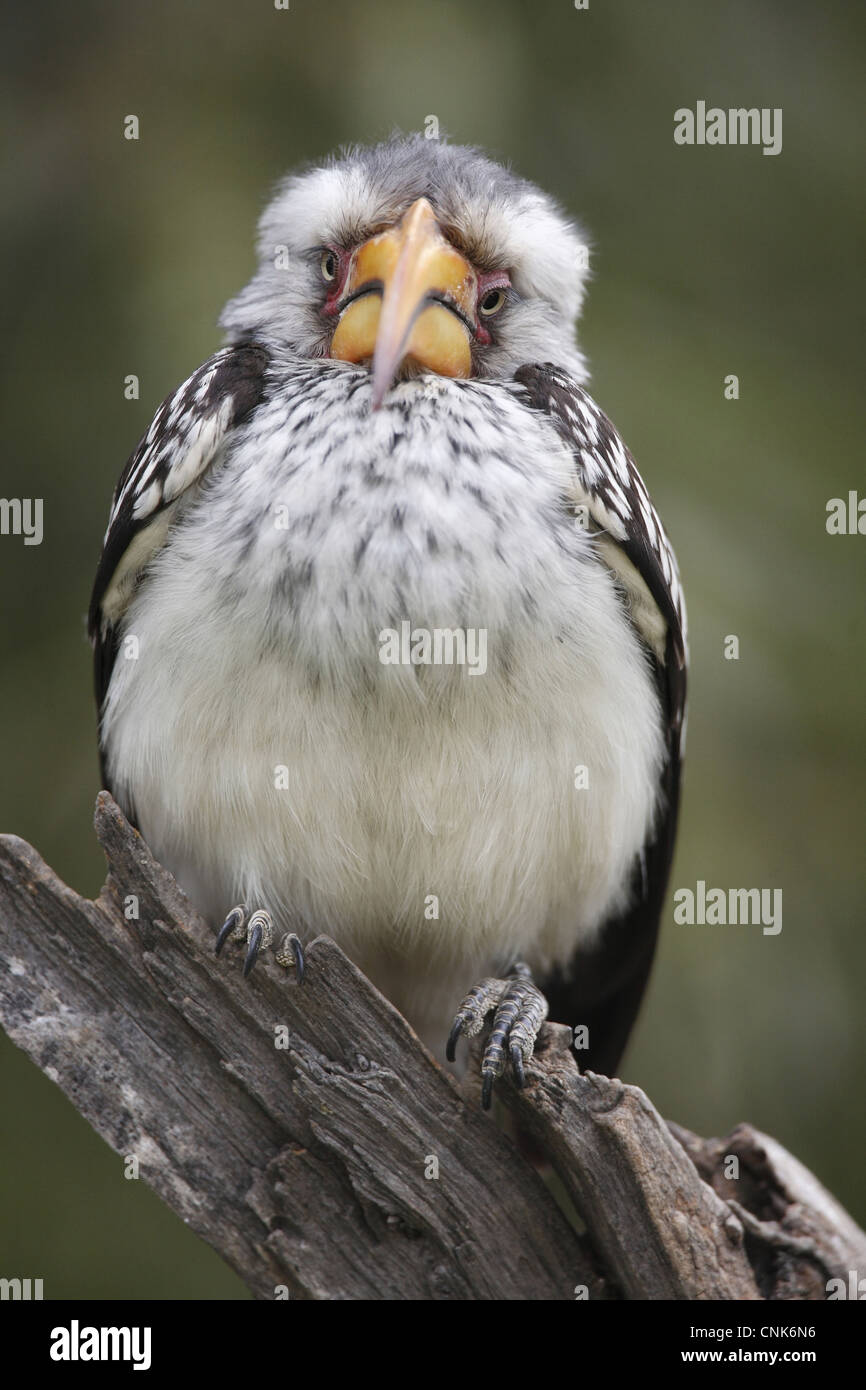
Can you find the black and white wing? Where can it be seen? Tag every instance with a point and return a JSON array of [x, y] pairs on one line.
[[604, 983], [186, 437]]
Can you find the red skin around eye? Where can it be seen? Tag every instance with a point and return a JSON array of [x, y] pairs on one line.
[[335, 287], [489, 280]]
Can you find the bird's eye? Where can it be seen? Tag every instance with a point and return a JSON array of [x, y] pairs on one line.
[[328, 265], [491, 303]]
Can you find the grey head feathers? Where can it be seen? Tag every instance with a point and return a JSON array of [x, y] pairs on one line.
[[500, 221]]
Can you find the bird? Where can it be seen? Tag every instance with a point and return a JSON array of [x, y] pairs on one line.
[[389, 639]]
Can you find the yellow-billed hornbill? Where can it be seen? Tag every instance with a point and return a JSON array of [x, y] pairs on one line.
[[392, 467]]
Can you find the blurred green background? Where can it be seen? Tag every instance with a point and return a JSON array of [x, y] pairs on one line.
[[117, 258]]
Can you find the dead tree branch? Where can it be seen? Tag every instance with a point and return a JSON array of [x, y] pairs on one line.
[[298, 1131]]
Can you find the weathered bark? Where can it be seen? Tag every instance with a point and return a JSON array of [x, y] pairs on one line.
[[296, 1129]]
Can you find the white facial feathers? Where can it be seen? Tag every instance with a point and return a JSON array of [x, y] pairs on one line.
[[499, 220]]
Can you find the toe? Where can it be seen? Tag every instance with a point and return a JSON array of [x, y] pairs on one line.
[[469, 1019], [259, 934], [231, 924], [291, 955]]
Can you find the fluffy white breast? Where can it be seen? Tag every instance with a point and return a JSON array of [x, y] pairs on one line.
[[427, 818]]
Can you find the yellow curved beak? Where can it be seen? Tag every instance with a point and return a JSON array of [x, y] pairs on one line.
[[412, 273]]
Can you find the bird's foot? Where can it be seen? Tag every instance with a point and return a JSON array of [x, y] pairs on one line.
[[258, 933], [519, 1008]]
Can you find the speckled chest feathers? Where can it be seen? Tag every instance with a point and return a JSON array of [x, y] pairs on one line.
[[287, 737]]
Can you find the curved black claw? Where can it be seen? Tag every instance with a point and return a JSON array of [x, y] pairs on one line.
[[259, 933], [253, 949], [486, 1090], [519, 1009], [291, 954], [300, 962], [234, 920], [453, 1037]]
